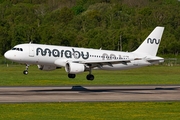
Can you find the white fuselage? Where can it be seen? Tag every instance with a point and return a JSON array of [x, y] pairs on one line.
[[49, 54]]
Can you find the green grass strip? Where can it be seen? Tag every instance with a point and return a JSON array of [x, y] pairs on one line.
[[91, 111], [12, 76]]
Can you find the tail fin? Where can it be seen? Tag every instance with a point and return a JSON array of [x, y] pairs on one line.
[[151, 43]]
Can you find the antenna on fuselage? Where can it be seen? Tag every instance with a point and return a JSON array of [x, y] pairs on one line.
[[30, 42]]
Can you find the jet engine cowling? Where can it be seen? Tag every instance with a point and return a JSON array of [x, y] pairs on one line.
[[74, 68], [46, 67]]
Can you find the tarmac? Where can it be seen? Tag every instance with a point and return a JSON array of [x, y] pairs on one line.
[[90, 93]]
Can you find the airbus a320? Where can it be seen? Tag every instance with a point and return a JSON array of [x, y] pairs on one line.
[[77, 60]]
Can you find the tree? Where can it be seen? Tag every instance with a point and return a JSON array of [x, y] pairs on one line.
[[89, 23]]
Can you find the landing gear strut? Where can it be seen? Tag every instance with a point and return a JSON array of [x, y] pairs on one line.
[[90, 76], [25, 72]]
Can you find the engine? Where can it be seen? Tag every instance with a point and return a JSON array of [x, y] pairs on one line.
[[74, 68], [46, 67]]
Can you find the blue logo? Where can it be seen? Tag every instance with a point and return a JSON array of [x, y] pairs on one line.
[[152, 41], [62, 53]]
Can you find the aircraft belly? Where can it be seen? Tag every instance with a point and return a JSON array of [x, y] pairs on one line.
[[117, 67], [133, 64], [45, 61]]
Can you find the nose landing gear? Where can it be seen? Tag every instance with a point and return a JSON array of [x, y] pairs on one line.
[[25, 72]]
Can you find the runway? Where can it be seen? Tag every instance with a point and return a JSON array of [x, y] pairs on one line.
[[89, 93]]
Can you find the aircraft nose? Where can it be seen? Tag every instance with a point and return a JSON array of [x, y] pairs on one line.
[[7, 55]]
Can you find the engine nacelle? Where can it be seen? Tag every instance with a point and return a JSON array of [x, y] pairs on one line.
[[74, 68], [46, 67]]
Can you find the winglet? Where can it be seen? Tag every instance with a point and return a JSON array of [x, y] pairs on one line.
[[151, 43]]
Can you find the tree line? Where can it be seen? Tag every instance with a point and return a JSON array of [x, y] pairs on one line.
[[106, 24]]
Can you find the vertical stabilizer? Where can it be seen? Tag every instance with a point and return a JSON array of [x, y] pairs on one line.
[[151, 43]]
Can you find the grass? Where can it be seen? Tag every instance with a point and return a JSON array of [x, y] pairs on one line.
[[92, 111], [12, 76]]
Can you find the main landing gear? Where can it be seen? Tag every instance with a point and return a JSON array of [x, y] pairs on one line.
[[25, 72], [71, 75], [88, 77]]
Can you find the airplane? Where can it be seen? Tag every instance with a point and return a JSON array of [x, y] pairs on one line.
[[77, 60]]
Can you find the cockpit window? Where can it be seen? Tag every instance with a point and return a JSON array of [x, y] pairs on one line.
[[18, 49], [13, 48]]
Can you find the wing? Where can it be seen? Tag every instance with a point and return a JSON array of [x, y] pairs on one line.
[[104, 62], [62, 62]]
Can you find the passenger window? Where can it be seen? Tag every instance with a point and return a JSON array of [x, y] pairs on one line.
[[21, 49], [17, 49]]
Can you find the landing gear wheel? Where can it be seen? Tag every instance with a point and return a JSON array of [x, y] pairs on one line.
[[25, 72], [71, 75], [90, 77]]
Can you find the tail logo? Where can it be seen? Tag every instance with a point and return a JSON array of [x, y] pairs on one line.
[[152, 41]]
